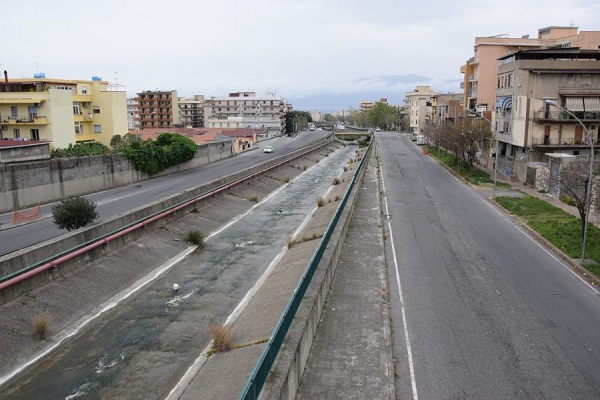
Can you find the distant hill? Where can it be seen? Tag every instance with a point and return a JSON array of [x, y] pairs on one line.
[[392, 87]]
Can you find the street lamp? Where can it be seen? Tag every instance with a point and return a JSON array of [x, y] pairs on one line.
[[478, 114], [590, 178]]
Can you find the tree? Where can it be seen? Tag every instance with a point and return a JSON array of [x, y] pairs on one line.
[[74, 213], [573, 182], [382, 116], [118, 142], [466, 137], [297, 120]]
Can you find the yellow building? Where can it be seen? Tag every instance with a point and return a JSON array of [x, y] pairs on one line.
[[61, 111]]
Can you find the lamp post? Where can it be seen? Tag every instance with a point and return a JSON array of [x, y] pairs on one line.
[[478, 114], [590, 178]]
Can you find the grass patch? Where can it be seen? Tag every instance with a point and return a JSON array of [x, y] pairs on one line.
[[41, 325], [222, 336], [254, 198], [286, 179], [196, 237], [560, 228], [473, 175]]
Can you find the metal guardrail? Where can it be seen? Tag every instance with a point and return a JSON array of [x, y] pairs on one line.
[[261, 370]]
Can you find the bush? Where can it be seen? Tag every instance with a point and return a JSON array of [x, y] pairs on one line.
[[222, 337], [41, 324], [74, 213]]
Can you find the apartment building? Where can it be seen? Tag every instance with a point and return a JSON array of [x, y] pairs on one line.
[[479, 72], [447, 108], [131, 111], [61, 111], [419, 103], [527, 127], [246, 110], [191, 111], [157, 109]]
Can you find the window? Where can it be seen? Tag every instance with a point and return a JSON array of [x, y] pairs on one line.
[[76, 109], [96, 110], [13, 111], [97, 128], [16, 133], [78, 128], [34, 134], [84, 90]]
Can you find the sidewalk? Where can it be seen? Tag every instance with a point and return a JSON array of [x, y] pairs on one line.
[[351, 356]]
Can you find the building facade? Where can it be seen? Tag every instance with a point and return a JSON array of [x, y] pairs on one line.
[[419, 103], [157, 109], [191, 111], [526, 126], [61, 111], [245, 110]]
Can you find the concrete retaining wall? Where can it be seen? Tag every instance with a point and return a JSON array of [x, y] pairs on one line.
[[32, 183], [285, 376]]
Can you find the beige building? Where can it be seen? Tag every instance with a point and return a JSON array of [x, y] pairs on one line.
[[246, 110], [526, 126], [191, 111], [420, 113], [61, 111], [157, 109]]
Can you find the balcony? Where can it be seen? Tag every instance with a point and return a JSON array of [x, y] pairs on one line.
[[21, 120], [553, 141], [555, 115]]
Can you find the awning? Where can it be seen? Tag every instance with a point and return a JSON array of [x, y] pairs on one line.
[[504, 102], [574, 104], [592, 104]]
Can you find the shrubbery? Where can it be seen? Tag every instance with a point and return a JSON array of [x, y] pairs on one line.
[[154, 156], [84, 149]]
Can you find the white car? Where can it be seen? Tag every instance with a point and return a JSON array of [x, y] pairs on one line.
[[268, 149]]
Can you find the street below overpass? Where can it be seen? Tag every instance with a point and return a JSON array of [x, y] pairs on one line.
[[480, 310]]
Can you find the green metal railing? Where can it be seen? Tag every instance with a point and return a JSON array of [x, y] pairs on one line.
[[261, 370]]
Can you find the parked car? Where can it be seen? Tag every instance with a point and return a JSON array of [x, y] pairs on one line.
[[268, 149]]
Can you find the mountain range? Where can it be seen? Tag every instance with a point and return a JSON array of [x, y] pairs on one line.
[[391, 87]]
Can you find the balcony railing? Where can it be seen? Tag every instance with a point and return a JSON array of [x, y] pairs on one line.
[[555, 141], [30, 119], [554, 115]]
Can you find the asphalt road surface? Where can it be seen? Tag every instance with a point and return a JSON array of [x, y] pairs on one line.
[[120, 200], [479, 309]]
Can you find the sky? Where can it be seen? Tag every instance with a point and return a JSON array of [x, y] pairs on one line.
[[294, 48]]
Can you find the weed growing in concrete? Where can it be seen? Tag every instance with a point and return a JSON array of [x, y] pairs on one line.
[[254, 198], [196, 237], [320, 202], [286, 179], [336, 181], [290, 242], [41, 325], [222, 336]]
